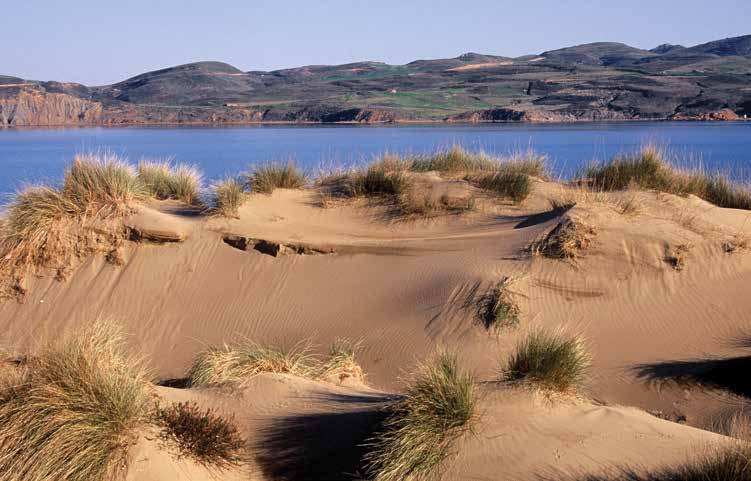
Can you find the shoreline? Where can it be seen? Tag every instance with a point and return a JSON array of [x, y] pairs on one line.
[[394, 123]]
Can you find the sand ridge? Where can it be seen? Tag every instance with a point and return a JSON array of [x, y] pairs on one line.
[[403, 287]]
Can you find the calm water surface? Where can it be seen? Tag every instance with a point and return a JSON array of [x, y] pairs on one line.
[[40, 155]]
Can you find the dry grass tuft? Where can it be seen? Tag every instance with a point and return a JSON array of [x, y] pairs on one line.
[[241, 362], [438, 408], [549, 360], [630, 205], [208, 439], [265, 178], [500, 310], [411, 203], [342, 363], [236, 364], [227, 196], [51, 227], [73, 411], [568, 240], [165, 181], [737, 243], [677, 256], [730, 462], [514, 185], [454, 160], [648, 169]]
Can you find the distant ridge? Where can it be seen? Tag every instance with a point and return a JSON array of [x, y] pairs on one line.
[[594, 81]]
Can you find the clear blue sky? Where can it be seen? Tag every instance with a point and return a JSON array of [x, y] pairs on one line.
[[99, 41]]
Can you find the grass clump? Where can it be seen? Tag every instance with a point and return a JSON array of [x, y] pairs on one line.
[[514, 185], [73, 411], [648, 169], [438, 407], [264, 179], [230, 364], [550, 360], [730, 462], [501, 310], [238, 363], [454, 160], [568, 240], [201, 435], [49, 227], [227, 196], [165, 181], [376, 181], [342, 362]]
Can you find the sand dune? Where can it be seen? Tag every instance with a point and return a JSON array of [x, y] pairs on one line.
[[666, 335]]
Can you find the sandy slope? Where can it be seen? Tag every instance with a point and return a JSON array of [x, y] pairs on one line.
[[405, 286]]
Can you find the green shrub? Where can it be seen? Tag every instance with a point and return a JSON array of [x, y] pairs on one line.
[[438, 407], [550, 360]]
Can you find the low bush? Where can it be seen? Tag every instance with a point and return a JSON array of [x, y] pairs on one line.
[[210, 440]]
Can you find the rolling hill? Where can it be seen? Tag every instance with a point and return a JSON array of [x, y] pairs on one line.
[[596, 81]]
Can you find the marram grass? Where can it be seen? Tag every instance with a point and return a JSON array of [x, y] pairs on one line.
[[73, 411], [163, 180], [227, 196], [551, 360], [240, 362], [418, 436]]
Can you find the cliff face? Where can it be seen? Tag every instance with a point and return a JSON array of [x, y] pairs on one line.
[[32, 107]]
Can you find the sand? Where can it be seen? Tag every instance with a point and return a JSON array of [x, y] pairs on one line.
[[665, 342]]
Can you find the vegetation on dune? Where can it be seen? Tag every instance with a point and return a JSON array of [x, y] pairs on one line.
[[437, 408], [549, 360], [500, 310], [648, 169], [165, 181], [210, 440], [568, 240], [456, 159], [241, 362], [265, 178], [717, 463], [227, 196], [514, 185], [72, 412], [48, 227]]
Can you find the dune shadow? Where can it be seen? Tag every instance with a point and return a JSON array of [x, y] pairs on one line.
[[321, 445], [727, 374], [537, 219]]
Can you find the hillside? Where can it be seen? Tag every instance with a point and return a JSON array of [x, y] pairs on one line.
[[597, 81]]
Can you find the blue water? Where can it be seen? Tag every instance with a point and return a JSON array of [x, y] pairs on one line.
[[40, 155]]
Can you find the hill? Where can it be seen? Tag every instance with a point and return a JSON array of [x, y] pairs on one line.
[[596, 81]]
